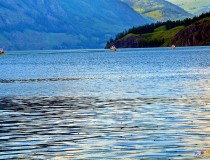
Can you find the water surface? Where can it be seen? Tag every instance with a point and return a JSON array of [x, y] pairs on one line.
[[95, 104]]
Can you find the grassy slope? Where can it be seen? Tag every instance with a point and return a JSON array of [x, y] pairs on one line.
[[193, 6], [161, 33], [158, 34]]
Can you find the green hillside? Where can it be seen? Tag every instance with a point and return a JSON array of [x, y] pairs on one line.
[[187, 32], [195, 7], [160, 10], [161, 33]]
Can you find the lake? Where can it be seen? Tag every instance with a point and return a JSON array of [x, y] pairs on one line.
[[95, 104]]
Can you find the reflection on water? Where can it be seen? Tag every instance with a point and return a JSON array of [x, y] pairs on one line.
[[94, 128], [93, 104]]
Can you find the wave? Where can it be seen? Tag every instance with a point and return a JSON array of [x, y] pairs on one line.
[[47, 126], [40, 80], [86, 101], [34, 80]]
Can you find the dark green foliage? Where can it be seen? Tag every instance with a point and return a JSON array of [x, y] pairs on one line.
[[120, 35], [110, 43]]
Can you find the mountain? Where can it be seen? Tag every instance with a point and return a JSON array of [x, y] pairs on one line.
[[159, 10], [61, 24], [195, 7], [187, 32]]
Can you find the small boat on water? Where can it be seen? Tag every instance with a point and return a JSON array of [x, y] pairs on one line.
[[173, 46], [113, 48], [1, 51]]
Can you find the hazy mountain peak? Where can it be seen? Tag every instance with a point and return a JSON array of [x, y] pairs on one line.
[[160, 10], [195, 7]]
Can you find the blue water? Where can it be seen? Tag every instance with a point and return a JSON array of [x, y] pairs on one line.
[[95, 104]]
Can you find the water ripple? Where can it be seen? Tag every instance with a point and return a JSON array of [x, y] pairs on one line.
[[39, 80], [94, 128]]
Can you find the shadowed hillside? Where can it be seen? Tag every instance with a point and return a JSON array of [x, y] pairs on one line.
[[197, 34], [61, 24]]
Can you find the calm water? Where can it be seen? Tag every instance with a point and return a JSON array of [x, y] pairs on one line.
[[95, 104]]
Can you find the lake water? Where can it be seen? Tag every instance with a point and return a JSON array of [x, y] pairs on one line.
[[95, 104]]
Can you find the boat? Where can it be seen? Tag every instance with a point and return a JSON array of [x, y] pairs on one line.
[[173, 46], [113, 48], [1, 51]]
